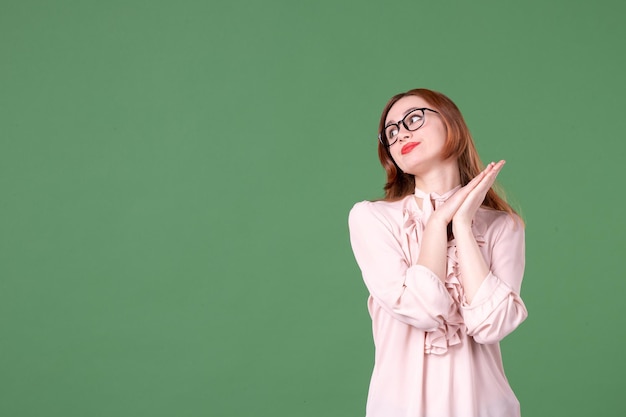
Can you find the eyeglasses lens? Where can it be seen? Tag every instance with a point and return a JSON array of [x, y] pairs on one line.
[[412, 121]]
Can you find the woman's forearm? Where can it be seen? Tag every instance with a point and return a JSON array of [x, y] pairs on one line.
[[434, 247], [472, 264]]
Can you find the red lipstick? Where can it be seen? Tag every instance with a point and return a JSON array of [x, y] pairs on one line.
[[408, 147]]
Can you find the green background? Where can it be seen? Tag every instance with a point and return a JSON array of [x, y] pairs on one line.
[[176, 179]]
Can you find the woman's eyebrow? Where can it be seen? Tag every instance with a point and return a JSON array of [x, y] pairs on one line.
[[405, 113], [409, 111]]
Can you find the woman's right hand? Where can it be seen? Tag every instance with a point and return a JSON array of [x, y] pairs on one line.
[[447, 210]]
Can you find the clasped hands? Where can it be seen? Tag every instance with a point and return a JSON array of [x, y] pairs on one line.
[[461, 207]]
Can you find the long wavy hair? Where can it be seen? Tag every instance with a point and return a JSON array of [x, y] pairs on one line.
[[459, 144]]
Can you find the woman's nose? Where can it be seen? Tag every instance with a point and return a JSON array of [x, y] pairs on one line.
[[404, 133]]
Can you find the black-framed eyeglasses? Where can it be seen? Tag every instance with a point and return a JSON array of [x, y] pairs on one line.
[[411, 122]]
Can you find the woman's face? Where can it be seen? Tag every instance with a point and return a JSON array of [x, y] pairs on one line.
[[418, 151]]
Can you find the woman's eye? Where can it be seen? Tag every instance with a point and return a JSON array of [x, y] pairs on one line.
[[414, 119], [391, 133]]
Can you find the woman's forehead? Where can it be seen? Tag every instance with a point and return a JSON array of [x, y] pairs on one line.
[[402, 106]]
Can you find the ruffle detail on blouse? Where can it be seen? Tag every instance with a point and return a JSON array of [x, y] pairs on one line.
[[449, 333]]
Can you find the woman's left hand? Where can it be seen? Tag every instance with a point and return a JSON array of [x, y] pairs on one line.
[[467, 210]]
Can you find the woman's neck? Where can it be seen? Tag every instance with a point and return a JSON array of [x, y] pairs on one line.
[[440, 180]]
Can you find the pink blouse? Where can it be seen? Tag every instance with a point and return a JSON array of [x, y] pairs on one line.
[[436, 354]]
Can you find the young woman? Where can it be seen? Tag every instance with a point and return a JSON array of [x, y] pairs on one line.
[[442, 256]]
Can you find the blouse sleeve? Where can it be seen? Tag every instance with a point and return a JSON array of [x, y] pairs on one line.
[[497, 308], [412, 294]]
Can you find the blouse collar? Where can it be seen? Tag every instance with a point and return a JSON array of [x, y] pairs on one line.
[[428, 199]]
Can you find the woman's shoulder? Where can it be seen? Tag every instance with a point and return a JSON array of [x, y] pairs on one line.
[[381, 210], [490, 216], [495, 222], [381, 206]]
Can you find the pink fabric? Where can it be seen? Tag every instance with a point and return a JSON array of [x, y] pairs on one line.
[[437, 355]]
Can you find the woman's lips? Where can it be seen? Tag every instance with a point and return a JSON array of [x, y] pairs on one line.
[[408, 147]]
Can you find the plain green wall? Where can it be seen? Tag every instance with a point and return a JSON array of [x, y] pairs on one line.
[[175, 180]]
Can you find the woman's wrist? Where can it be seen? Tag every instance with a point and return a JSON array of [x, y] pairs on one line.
[[461, 225], [437, 222]]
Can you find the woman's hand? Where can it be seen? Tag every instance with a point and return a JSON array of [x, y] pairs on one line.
[[466, 201], [433, 252], [474, 198]]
